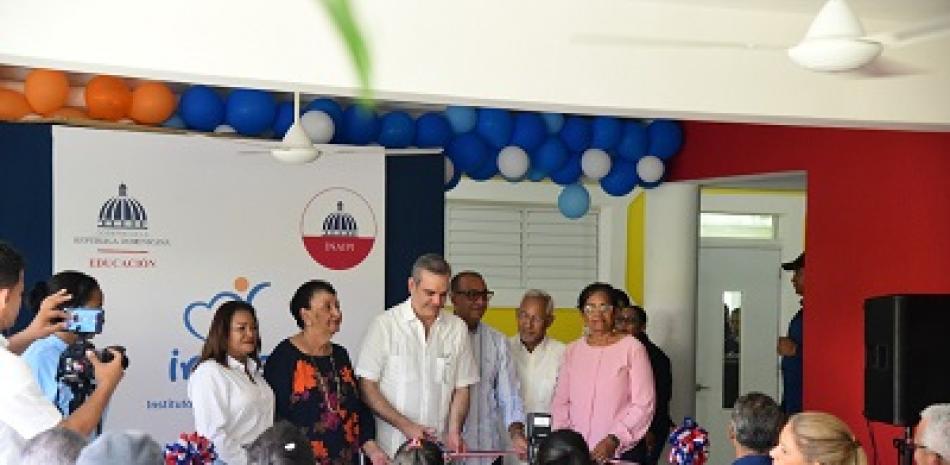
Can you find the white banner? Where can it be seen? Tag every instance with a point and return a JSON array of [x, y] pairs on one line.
[[174, 225]]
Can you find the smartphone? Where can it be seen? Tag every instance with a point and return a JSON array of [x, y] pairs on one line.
[[83, 320]]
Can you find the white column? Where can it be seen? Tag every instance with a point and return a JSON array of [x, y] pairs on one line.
[[670, 248]]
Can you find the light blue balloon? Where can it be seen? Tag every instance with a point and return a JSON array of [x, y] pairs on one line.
[[462, 119], [554, 122], [574, 201]]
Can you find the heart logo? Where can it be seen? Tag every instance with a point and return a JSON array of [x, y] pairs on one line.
[[207, 308]]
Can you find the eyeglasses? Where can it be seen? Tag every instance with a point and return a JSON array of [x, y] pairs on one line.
[[474, 295], [602, 308]]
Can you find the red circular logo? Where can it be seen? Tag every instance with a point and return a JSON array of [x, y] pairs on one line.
[[338, 227]]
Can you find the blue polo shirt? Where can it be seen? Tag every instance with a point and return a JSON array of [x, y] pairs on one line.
[[753, 460], [792, 369], [42, 356]]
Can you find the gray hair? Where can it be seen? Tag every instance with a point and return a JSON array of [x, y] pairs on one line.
[[757, 421], [433, 263], [55, 446], [936, 435], [281, 444], [539, 294]]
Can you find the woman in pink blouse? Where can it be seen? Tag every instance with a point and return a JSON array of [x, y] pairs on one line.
[[604, 388]]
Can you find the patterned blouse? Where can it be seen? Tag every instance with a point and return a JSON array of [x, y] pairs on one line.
[[319, 394]]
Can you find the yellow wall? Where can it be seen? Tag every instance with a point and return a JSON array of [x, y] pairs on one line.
[[635, 250], [567, 326]]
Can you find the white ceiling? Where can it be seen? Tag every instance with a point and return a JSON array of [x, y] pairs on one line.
[[889, 10]]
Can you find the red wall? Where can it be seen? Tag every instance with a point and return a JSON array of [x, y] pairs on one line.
[[878, 223]]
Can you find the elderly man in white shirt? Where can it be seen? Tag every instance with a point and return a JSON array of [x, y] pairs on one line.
[[416, 364], [24, 412], [537, 357], [497, 395]]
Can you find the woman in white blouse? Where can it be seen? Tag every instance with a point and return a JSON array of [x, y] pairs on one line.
[[232, 402]]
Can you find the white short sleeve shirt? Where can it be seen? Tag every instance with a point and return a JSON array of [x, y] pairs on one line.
[[417, 376], [24, 412], [537, 371]]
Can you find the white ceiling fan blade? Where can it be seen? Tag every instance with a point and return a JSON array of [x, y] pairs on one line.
[[918, 32], [656, 42], [835, 19]]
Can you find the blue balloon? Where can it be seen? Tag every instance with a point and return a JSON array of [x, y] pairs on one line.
[[606, 132], [433, 130], [529, 131], [333, 110], [576, 133], [570, 172], [535, 175], [284, 118], [468, 151], [485, 171], [621, 179], [175, 122], [462, 119], [201, 108], [650, 185], [495, 126], [634, 142], [666, 138], [550, 156], [574, 201], [360, 125], [397, 130], [250, 111], [553, 121]]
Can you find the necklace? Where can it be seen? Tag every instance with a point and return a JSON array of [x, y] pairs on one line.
[[332, 400]]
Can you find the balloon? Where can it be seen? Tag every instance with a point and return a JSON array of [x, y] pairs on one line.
[[650, 169], [606, 131], [495, 125], [201, 108], [69, 113], [576, 133], [574, 201], [666, 138], [283, 119], [513, 162], [360, 125], [13, 105], [332, 109], [175, 122], [595, 163], [462, 119], [468, 151], [529, 131], [550, 156], [535, 175], [318, 126], [152, 103], [108, 98], [432, 130], [568, 173], [452, 175], [486, 170], [621, 179], [553, 121], [46, 90], [250, 111], [633, 141], [397, 130]]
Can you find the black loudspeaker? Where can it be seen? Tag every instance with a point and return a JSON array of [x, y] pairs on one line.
[[906, 345]]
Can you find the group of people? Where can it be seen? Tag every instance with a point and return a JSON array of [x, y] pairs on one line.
[[426, 382]]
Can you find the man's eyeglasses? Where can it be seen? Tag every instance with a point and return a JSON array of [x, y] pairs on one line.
[[602, 308], [474, 295]]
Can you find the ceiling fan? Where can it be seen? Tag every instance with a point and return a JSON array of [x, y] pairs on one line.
[[835, 40]]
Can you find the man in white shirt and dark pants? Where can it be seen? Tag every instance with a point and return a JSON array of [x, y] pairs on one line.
[[416, 364], [24, 412], [496, 397]]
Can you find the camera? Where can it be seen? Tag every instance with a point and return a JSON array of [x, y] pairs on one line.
[[539, 427], [83, 320], [76, 372]]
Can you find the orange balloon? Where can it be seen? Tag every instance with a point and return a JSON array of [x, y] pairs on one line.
[[13, 105], [107, 97], [69, 113], [46, 90], [152, 103]]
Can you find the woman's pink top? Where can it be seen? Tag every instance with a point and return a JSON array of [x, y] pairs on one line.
[[605, 390]]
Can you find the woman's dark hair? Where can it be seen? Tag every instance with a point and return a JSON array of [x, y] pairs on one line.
[[216, 345], [563, 447], [305, 292], [78, 284], [592, 289], [419, 453], [281, 444], [620, 298]]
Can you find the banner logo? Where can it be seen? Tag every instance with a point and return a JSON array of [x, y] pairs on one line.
[[338, 228], [122, 238], [123, 212]]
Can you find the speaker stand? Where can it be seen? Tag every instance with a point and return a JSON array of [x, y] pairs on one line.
[[905, 447]]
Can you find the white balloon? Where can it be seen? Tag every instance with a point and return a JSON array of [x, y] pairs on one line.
[[224, 129], [513, 162], [595, 163], [318, 125], [650, 168], [449, 170]]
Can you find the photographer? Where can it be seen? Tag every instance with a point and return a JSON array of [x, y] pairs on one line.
[[24, 412]]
